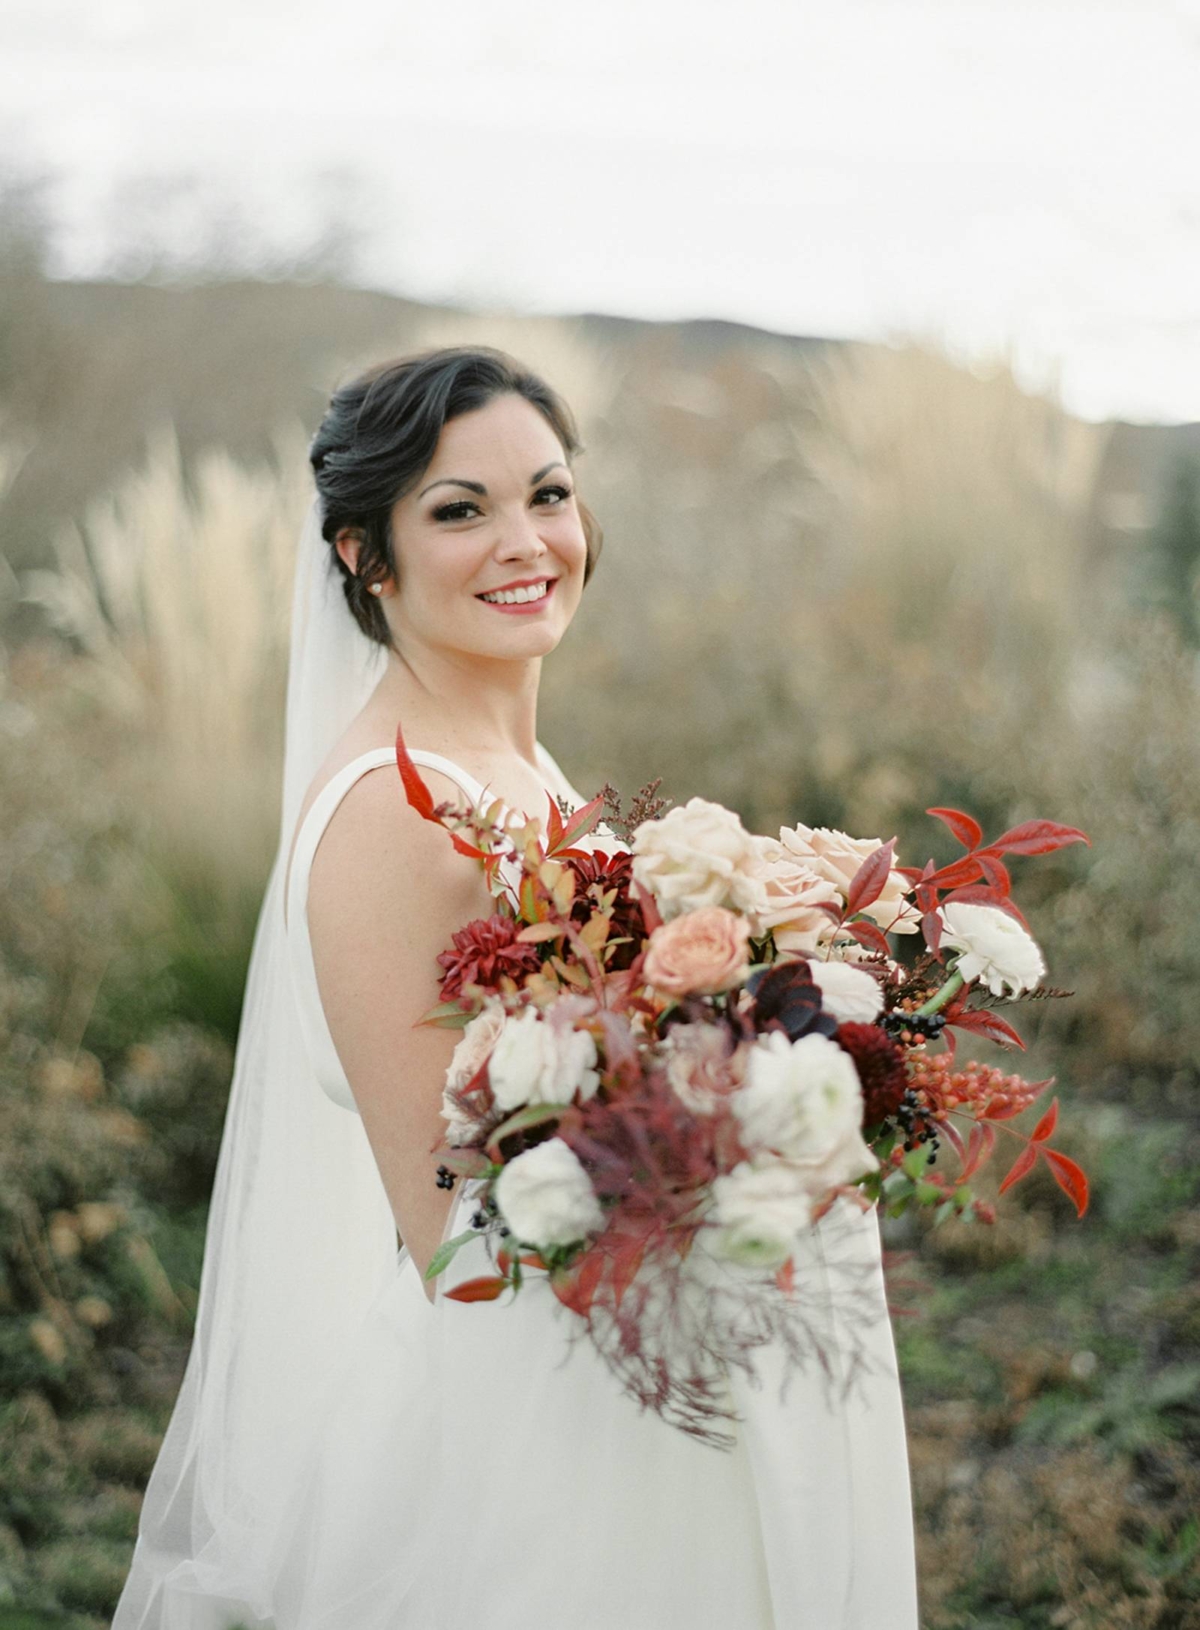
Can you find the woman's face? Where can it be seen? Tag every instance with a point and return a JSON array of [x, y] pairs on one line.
[[490, 550]]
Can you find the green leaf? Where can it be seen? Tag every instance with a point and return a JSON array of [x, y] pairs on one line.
[[531, 1115], [446, 1252], [915, 1162], [447, 1016]]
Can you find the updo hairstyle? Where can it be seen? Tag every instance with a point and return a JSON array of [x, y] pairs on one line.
[[379, 436]]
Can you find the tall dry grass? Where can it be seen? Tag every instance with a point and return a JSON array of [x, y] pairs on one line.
[[175, 588]]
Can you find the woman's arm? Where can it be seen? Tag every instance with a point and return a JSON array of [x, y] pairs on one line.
[[386, 892]]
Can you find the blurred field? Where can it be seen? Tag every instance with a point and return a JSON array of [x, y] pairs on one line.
[[840, 584]]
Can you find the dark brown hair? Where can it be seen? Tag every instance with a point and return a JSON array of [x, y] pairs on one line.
[[379, 436]]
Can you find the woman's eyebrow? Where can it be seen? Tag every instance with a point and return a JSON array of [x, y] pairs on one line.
[[478, 486]]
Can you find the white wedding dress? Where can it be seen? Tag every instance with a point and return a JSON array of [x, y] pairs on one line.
[[466, 1465]]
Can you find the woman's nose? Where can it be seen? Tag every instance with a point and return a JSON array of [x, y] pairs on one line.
[[520, 539]]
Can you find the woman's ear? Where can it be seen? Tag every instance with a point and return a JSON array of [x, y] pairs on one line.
[[348, 544]]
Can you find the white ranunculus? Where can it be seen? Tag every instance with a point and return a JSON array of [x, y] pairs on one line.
[[851, 994], [547, 1198], [992, 947], [803, 1101], [760, 1209], [476, 1042], [698, 854], [536, 1061]]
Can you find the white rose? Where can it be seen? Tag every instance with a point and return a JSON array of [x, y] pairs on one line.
[[546, 1197], [794, 892], [993, 948], [536, 1061], [760, 1209], [837, 856], [698, 855], [849, 993], [803, 1100], [476, 1042]]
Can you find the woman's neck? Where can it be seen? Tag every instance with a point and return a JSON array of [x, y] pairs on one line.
[[487, 707]]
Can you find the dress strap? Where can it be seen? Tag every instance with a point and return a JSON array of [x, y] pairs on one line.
[[320, 813]]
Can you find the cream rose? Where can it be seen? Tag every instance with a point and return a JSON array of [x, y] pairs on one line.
[[701, 1067], [474, 1046], [803, 1101], [547, 1198], [993, 948], [536, 1061], [794, 892], [698, 855], [760, 1209], [698, 954], [837, 857]]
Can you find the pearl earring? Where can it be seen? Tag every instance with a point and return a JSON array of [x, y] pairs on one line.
[[376, 588]]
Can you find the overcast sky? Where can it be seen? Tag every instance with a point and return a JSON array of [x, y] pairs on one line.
[[1014, 174]]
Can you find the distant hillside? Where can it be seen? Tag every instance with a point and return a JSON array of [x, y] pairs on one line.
[[87, 369]]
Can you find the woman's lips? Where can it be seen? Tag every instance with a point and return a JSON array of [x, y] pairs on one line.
[[522, 608]]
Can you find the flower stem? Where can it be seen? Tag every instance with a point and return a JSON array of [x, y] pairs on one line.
[[940, 997]]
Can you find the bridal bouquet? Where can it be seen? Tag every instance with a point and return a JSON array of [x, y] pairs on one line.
[[683, 1043]]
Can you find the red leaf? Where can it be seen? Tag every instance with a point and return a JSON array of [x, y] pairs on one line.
[[871, 936], [477, 1290], [982, 1022], [579, 825], [958, 872], [576, 1288], [1037, 838], [931, 927], [979, 1147], [965, 828], [625, 1263], [950, 1132], [1047, 1123], [417, 793], [870, 879], [785, 1277], [1021, 1167], [1070, 1178], [651, 915], [984, 894], [554, 826], [996, 873]]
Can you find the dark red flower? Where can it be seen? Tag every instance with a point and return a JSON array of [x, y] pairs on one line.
[[484, 951], [881, 1069], [600, 873]]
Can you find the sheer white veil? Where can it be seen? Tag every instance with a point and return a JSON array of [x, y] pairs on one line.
[[300, 1235]]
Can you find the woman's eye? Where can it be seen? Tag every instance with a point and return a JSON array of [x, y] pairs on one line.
[[454, 512], [461, 508]]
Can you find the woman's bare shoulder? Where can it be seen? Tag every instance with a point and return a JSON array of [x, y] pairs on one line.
[[378, 854]]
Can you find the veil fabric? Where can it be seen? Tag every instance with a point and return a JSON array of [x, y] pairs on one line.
[[300, 1235]]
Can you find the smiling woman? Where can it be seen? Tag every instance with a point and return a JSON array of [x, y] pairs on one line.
[[352, 1449], [402, 422]]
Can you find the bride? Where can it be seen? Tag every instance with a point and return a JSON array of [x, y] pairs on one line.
[[351, 1450]]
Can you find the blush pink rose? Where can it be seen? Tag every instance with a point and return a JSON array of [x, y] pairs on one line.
[[698, 954]]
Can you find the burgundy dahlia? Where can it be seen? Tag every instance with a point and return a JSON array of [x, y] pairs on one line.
[[607, 872], [880, 1065], [484, 951]]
